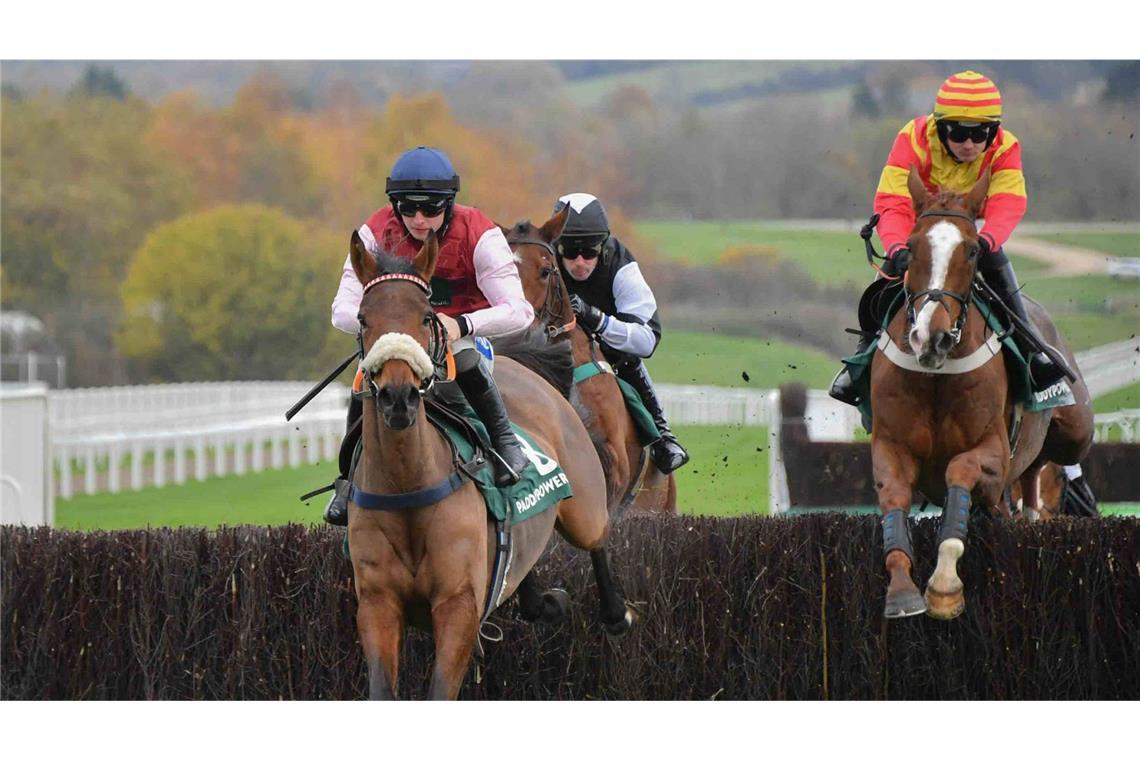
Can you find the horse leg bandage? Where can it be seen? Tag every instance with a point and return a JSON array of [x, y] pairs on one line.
[[896, 533], [955, 514]]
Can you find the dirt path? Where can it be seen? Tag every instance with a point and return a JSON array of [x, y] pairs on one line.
[[1063, 260]]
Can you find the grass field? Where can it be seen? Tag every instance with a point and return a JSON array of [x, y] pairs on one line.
[[1113, 243], [690, 358], [728, 476], [829, 257], [1125, 398]]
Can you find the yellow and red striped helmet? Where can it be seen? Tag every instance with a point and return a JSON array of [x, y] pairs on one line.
[[968, 96]]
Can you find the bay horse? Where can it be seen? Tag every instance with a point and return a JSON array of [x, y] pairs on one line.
[[941, 425], [428, 563], [632, 480]]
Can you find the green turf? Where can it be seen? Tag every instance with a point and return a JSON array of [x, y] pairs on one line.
[[728, 472], [708, 485], [1124, 244], [828, 257], [1125, 398], [690, 358], [268, 498], [1085, 331], [1097, 295]]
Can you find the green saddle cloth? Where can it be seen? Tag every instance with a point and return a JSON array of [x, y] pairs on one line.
[[1020, 384], [647, 431], [543, 483]]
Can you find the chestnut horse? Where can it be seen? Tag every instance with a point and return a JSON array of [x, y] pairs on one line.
[[942, 419], [631, 477], [428, 563]]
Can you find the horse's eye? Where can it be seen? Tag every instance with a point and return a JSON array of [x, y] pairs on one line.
[[546, 272], [427, 318], [360, 319], [974, 250]]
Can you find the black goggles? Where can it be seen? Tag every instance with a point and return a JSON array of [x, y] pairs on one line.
[[961, 133], [573, 249], [429, 208]]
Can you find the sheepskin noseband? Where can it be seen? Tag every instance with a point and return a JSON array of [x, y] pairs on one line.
[[399, 346]]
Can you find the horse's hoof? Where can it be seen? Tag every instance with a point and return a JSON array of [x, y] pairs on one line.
[[623, 626], [944, 606], [904, 604], [555, 606]]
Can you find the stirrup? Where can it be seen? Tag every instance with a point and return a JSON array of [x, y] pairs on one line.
[[844, 391], [336, 512]]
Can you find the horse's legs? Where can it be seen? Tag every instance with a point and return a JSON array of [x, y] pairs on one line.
[[1030, 481], [380, 625], [455, 623], [535, 604], [981, 469], [895, 471], [616, 616]]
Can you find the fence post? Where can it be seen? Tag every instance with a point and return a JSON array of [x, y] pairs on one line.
[[64, 459], [137, 466], [114, 459], [778, 499], [89, 470]]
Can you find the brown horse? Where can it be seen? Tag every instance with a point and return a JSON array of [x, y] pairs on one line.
[[631, 477], [942, 407], [428, 562]]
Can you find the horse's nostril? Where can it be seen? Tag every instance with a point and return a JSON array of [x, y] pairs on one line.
[[945, 342]]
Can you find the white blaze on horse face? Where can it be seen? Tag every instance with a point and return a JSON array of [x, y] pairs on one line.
[[398, 346], [944, 238]]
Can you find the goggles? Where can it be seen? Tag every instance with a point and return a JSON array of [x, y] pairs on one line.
[[978, 133], [573, 249], [428, 206]]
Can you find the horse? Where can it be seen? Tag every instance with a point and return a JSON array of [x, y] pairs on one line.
[[428, 563], [942, 425], [632, 480]]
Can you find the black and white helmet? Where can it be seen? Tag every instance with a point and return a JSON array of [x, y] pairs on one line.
[[587, 226]]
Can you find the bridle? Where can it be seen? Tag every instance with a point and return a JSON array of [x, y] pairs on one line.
[[437, 347], [938, 294], [556, 296]]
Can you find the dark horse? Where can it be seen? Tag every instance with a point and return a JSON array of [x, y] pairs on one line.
[[428, 563], [631, 477], [942, 406]]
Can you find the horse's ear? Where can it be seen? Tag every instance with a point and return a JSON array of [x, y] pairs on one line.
[[977, 196], [363, 262], [551, 229], [426, 258], [917, 190]]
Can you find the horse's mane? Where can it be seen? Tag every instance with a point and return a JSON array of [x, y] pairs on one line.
[[390, 263], [535, 351]]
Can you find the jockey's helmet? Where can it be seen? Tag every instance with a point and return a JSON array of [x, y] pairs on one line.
[[587, 225], [423, 179], [968, 102]]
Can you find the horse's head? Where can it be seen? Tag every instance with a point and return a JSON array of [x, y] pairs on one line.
[[538, 267], [943, 258], [401, 337]]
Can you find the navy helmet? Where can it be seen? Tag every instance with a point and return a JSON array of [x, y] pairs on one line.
[[587, 225], [424, 179], [423, 171]]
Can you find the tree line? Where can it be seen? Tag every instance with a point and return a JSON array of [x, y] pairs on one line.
[[180, 240]]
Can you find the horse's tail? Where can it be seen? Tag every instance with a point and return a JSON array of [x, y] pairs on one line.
[[533, 349]]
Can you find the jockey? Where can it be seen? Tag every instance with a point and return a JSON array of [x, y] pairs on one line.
[[476, 291], [612, 301], [951, 148]]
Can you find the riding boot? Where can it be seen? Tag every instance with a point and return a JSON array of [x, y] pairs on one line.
[[478, 386], [336, 512], [843, 387], [1042, 369], [666, 452]]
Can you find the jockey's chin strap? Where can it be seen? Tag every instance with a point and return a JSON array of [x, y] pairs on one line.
[[938, 294], [555, 296]]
